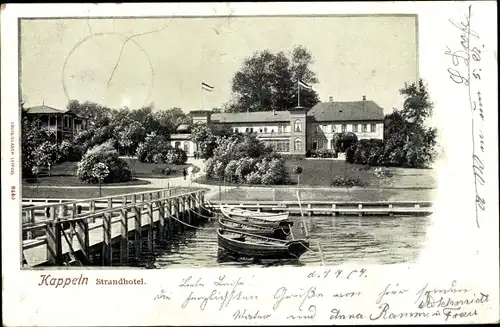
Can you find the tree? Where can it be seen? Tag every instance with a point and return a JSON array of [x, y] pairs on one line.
[[268, 81], [417, 106], [203, 136], [298, 170], [100, 171], [32, 137], [410, 142]]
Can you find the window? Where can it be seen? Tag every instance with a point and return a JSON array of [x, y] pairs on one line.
[[236, 130], [315, 145], [344, 128], [297, 145], [251, 129], [355, 128], [372, 128], [332, 128], [332, 144], [298, 126], [365, 128], [247, 129], [186, 147], [177, 144], [317, 129], [324, 128], [272, 131], [265, 129]]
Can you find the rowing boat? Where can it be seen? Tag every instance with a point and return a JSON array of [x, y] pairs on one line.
[[278, 232], [265, 216], [254, 246], [257, 220]]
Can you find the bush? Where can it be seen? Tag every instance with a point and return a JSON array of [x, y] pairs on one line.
[[175, 156], [244, 159], [153, 148], [308, 153], [156, 149], [106, 154], [69, 152], [341, 181], [349, 154]]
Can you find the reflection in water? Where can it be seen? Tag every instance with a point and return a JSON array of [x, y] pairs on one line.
[[351, 239]]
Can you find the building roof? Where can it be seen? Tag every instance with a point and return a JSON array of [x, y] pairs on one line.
[[43, 109], [183, 127], [346, 111], [180, 136], [254, 117]]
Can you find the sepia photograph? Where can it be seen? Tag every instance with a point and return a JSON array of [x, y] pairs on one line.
[[230, 149], [343, 154]]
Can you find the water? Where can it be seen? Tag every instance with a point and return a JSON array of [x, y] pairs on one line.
[[334, 240]]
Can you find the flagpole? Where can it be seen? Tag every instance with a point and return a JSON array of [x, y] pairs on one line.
[[298, 93], [201, 96]]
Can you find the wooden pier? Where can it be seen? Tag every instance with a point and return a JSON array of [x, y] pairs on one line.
[[72, 232], [313, 208]]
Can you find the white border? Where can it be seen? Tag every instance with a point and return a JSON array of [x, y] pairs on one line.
[[457, 249]]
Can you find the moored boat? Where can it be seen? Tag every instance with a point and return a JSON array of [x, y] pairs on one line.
[[254, 246], [257, 220], [232, 212], [278, 232]]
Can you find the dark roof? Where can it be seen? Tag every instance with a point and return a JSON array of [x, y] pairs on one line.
[[254, 117], [43, 109], [346, 111]]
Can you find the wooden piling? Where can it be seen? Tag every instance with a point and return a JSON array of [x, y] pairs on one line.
[[82, 235], [189, 210], [54, 246], [150, 224], [92, 209], [107, 250], [169, 220], [161, 219], [137, 227], [124, 233], [31, 220]]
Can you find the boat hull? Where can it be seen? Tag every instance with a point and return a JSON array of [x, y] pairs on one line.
[[257, 220], [247, 245], [264, 216], [278, 232]]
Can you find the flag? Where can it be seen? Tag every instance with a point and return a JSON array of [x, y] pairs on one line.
[[304, 85], [206, 87]]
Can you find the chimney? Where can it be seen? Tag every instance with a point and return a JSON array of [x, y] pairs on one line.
[[364, 97], [330, 99]]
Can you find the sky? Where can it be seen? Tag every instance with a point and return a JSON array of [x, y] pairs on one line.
[[166, 61]]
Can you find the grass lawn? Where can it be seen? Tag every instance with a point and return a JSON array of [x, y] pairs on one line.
[[146, 170], [64, 174], [321, 173], [81, 192]]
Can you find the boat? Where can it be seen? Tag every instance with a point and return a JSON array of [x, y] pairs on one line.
[[278, 232], [259, 247], [255, 220], [232, 212]]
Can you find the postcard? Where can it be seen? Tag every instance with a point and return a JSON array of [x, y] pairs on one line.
[[249, 164]]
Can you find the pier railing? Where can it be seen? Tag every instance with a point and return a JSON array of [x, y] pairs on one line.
[[68, 230], [331, 207]]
